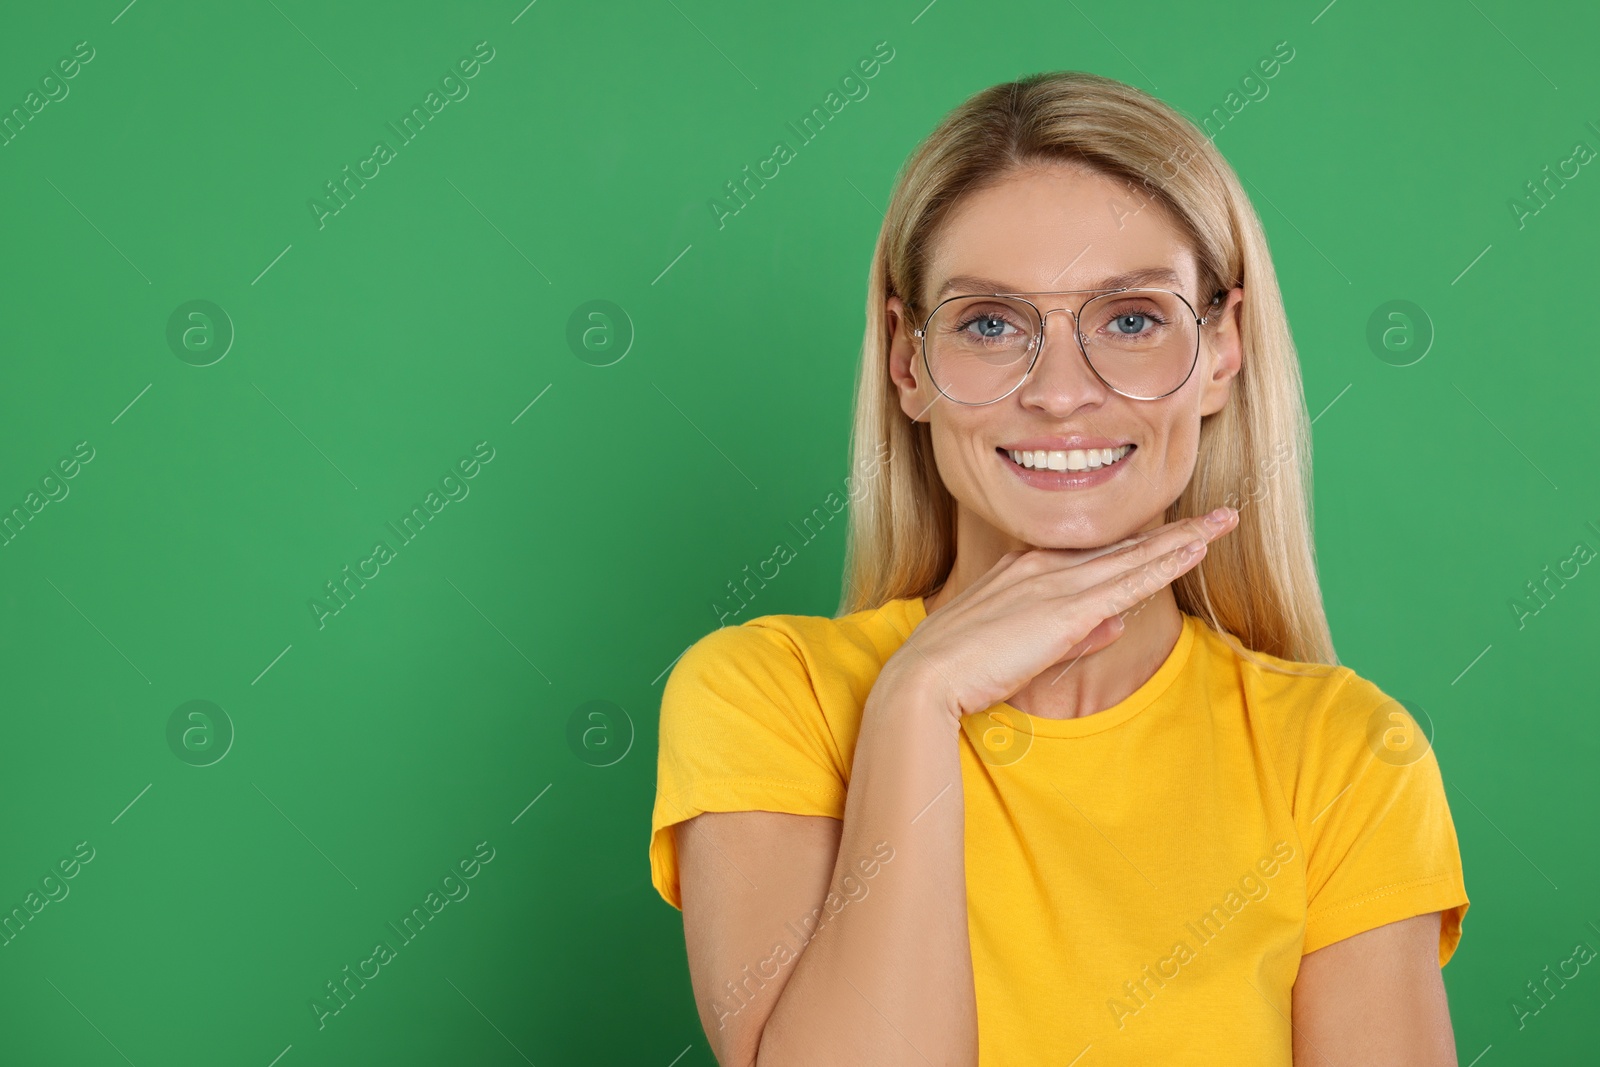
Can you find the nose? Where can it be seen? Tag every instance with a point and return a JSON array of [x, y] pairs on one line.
[[1061, 378]]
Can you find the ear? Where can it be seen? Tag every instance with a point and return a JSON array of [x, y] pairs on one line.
[[1222, 348], [905, 362]]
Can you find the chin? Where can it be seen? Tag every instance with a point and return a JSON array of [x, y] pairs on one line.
[[1077, 532]]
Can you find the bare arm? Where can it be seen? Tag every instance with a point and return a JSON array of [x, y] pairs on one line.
[[1376, 999], [884, 973]]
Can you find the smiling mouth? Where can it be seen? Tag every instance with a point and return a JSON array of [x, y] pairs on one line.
[[1072, 459]]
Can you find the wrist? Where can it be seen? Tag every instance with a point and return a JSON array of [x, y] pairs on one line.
[[917, 691]]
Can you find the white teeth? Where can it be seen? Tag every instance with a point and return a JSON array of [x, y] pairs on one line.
[[1073, 459]]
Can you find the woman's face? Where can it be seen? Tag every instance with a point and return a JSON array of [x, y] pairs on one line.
[[1051, 228]]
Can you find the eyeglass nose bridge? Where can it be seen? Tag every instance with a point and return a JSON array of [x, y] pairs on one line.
[[1079, 343], [1038, 339], [1044, 320]]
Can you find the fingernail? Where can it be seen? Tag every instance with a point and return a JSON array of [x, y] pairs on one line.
[[1193, 549], [1218, 518]]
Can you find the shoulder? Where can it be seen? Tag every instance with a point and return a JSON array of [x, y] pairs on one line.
[[1332, 734], [773, 702], [1304, 710], [769, 643], [791, 649], [733, 661]]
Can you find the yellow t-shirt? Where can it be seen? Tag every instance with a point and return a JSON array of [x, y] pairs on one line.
[[1142, 881]]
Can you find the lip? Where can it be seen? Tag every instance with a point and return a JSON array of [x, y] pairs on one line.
[[1057, 444], [1059, 480]]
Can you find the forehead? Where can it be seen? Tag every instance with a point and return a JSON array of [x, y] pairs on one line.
[[1058, 227]]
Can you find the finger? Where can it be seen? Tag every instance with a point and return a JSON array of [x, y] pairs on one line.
[[1120, 593], [1160, 543], [1084, 555]]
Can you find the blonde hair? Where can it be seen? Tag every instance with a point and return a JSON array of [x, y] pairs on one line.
[[1258, 585]]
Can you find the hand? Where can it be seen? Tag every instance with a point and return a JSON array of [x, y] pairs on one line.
[[1038, 607]]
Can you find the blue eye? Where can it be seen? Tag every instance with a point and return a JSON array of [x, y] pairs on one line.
[[1142, 321], [988, 325], [981, 325]]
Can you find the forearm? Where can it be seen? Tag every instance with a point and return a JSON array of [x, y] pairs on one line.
[[888, 979]]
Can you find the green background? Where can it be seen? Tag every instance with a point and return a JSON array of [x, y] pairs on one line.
[[435, 711]]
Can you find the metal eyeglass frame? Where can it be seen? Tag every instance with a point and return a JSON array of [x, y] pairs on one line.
[[1038, 341]]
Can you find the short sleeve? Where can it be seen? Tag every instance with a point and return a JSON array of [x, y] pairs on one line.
[[1371, 810], [741, 730]]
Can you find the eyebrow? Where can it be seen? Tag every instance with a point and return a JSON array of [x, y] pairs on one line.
[[967, 283]]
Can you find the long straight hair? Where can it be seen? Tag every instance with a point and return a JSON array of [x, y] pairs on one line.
[[1257, 586]]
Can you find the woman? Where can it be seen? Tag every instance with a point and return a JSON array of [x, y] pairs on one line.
[[1074, 776]]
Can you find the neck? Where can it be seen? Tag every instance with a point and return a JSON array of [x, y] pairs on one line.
[[1083, 685]]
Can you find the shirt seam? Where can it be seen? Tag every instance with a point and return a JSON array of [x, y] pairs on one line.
[[1301, 764], [783, 633], [808, 788], [1386, 891], [748, 778]]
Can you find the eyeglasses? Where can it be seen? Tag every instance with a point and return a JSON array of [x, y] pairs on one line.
[[1142, 343]]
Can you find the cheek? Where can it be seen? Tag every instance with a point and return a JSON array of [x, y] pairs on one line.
[[1183, 437], [967, 465], [1180, 454], [1170, 438], [952, 454]]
